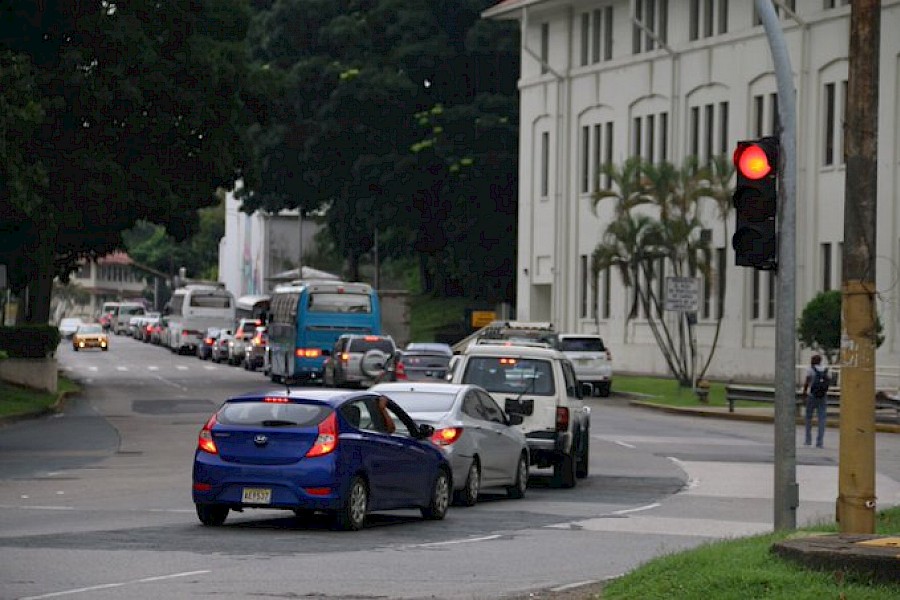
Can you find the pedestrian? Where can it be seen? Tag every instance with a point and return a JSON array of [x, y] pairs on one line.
[[815, 390]]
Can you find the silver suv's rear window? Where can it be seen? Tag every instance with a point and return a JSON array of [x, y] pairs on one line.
[[272, 414], [585, 344], [511, 375], [364, 345]]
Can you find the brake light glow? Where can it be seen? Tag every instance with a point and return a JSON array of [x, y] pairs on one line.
[[400, 372], [371, 338], [208, 341], [318, 491], [327, 439], [202, 487], [446, 436], [507, 361], [205, 442], [276, 400], [562, 418], [308, 352], [345, 356]]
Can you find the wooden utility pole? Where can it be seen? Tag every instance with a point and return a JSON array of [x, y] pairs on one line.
[[856, 472]]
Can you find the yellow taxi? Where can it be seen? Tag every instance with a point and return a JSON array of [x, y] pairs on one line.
[[90, 335]]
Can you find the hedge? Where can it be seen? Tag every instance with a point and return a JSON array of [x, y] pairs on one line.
[[29, 341]]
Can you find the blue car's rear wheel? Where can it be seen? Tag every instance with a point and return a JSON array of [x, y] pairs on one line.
[[212, 515], [440, 497], [352, 515]]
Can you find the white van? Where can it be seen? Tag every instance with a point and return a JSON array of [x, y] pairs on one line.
[[122, 316], [193, 309]]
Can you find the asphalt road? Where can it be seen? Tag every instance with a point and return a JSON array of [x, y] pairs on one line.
[[97, 502]]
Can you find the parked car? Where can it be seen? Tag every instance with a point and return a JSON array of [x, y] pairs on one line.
[[68, 326], [256, 348], [205, 347], [346, 365], [149, 322], [591, 359], [121, 318], [484, 447], [317, 450], [90, 335], [243, 334], [221, 346]]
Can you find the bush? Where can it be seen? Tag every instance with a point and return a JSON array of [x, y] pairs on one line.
[[29, 341]]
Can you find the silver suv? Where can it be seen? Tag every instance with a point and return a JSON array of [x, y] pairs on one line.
[[539, 383], [591, 358], [358, 360]]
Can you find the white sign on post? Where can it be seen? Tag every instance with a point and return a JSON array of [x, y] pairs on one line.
[[682, 294]]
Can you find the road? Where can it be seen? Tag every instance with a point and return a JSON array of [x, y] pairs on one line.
[[96, 502]]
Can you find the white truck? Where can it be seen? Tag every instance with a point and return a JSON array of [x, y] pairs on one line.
[[538, 382]]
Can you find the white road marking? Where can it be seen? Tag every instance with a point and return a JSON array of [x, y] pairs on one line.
[[153, 368], [106, 586], [173, 384], [210, 367], [625, 511], [621, 443], [572, 586], [121, 368], [181, 367], [452, 542], [692, 482], [712, 528], [94, 369]]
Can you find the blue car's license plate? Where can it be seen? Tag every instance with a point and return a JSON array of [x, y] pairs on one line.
[[257, 496]]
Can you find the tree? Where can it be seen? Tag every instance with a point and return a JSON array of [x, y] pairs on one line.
[[819, 326], [121, 112], [656, 231]]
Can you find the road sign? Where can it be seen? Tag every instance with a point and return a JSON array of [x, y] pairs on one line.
[[682, 294], [482, 318]]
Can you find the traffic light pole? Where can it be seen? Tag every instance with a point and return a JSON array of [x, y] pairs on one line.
[[786, 489]]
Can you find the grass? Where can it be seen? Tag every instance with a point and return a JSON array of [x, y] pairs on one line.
[[665, 390], [745, 568], [19, 400]]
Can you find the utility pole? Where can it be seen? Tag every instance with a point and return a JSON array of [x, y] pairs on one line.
[[786, 489], [300, 253], [856, 470]]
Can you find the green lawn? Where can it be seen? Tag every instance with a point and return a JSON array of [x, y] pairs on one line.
[[18, 400], [665, 390], [745, 568]]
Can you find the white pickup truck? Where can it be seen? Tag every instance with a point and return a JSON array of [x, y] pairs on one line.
[[539, 383]]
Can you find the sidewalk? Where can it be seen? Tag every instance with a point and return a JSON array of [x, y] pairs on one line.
[[877, 556]]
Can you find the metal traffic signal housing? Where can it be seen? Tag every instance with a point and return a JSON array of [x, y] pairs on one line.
[[755, 199]]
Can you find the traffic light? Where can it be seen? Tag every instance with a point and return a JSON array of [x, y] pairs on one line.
[[755, 240]]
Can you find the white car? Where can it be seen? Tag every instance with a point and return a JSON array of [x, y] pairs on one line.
[[591, 358], [68, 326]]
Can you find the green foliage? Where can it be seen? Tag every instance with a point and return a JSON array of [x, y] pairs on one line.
[[118, 112], [29, 341], [819, 326], [746, 568], [397, 117]]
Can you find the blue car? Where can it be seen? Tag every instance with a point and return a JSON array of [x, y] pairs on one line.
[[307, 450]]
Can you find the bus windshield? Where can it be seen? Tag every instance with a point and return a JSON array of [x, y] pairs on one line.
[[329, 302]]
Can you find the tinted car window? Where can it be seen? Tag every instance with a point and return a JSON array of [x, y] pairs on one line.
[[363, 345], [419, 402], [210, 300], [414, 359], [90, 329], [323, 302], [272, 413], [582, 345], [510, 375]]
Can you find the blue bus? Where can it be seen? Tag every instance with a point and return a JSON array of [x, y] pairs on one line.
[[306, 319]]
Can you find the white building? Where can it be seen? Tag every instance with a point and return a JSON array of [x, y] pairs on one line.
[[256, 247], [602, 80]]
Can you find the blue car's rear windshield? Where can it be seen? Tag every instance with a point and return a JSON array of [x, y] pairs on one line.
[[272, 414]]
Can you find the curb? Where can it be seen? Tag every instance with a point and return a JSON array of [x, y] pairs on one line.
[[691, 411]]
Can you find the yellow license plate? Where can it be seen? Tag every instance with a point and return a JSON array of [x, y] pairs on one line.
[[257, 496]]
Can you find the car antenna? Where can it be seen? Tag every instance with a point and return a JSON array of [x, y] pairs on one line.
[[287, 385]]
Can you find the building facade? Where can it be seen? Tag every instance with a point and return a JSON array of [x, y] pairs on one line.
[[604, 80]]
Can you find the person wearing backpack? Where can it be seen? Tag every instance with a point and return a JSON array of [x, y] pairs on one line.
[[815, 390]]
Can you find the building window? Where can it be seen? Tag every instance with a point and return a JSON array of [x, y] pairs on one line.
[[826, 267], [585, 159], [607, 292], [585, 286], [545, 164], [636, 136], [664, 136], [709, 129], [649, 137], [596, 35], [545, 46], [835, 3], [721, 257], [766, 120], [829, 129], [707, 18], [755, 292], [770, 296], [654, 16], [609, 151]]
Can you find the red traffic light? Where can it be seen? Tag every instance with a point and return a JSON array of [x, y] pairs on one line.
[[752, 161]]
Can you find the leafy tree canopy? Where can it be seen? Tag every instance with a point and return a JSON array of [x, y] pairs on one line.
[[118, 112], [819, 326]]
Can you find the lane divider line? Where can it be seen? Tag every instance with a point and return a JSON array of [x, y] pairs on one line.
[[106, 586]]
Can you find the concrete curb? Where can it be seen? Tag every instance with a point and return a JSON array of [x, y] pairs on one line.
[[761, 415]]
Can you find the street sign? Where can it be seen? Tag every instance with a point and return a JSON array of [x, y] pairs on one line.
[[682, 294], [483, 318]]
